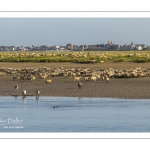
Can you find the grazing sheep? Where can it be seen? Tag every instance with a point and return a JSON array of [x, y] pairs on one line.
[[44, 76], [23, 77], [77, 78], [102, 77], [48, 81], [134, 74], [107, 79], [101, 62], [93, 78], [2, 74], [80, 85], [65, 75], [98, 76], [92, 61], [33, 78], [15, 78], [86, 78], [29, 78]]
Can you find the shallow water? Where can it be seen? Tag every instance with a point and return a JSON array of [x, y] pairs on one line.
[[74, 114]]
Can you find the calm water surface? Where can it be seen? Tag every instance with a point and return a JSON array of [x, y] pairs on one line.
[[74, 115]]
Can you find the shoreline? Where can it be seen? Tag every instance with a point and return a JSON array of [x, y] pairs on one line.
[[120, 88], [76, 97]]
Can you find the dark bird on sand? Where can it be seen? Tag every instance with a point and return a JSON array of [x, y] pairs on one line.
[[16, 87], [80, 85]]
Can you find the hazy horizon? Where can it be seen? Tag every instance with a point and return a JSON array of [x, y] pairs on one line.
[[77, 31]]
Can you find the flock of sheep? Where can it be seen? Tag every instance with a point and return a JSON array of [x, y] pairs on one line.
[[86, 74], [77, 74]]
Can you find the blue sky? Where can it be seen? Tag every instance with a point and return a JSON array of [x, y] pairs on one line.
[[61, 31]]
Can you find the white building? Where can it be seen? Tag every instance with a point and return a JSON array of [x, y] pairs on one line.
[[56, 47], [12, 48], [139, 47]]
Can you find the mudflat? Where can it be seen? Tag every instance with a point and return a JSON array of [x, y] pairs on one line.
[[126, 88]]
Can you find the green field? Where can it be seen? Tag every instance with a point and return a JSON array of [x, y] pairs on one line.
[[76, 56]]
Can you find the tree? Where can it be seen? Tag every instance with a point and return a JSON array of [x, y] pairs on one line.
[[102, 45]]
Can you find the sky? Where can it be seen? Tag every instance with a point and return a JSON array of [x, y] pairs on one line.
[[77, 31]]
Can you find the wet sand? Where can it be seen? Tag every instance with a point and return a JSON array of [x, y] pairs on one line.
[[132, 88]]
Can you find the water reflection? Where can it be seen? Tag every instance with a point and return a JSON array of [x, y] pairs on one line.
[[37, 97], [37, 100], [76, 114], [24, 100], [16, 96]]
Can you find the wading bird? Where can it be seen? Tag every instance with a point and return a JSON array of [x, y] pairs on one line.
[[24, 94], [37, 93]]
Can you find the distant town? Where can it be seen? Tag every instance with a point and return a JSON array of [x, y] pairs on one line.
[[109, 46]]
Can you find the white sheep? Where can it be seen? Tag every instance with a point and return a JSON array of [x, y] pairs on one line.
[[93, 78], [49, 81], [77, 78], [101, 62], [86, 78], [33, 78], [106, 78]]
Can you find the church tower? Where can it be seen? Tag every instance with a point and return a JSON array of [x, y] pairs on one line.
[[109, 43]]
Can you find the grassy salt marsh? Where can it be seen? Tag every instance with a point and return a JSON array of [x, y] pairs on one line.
[[76, 56]]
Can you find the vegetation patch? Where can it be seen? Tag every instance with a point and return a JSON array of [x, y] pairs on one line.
[[76, 56]]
